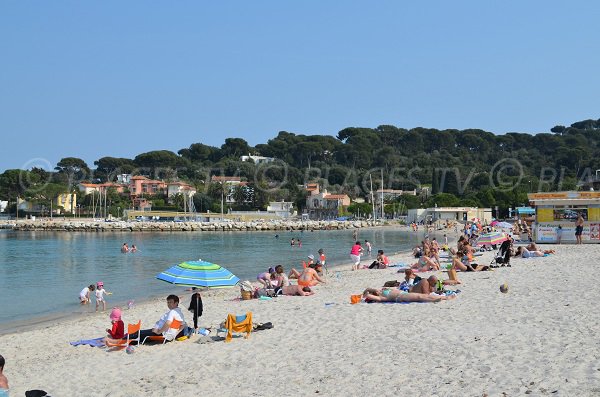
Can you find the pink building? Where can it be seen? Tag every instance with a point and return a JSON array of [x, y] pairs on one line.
[[139, 185]]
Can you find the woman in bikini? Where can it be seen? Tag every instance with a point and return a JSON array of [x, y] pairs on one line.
[[309, 276], [425, 263], [395, 295]]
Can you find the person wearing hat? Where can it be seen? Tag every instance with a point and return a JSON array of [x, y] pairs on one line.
[[118, 327], [100, 292]]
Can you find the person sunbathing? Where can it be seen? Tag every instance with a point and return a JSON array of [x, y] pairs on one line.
[[425, 263], [463, 261], [309, 276], [431, 284], [294, 290], [395, 295], [534, 247], [525, 253]]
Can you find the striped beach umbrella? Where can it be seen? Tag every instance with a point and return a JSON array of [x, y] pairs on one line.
[[492, 238], [199, 274]]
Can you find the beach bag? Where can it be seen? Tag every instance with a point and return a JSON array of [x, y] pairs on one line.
[[355, 299]]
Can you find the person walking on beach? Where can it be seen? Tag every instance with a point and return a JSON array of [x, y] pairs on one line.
[[355, 255], [3, 380], [579, 229], [84, 295], [100, 292]]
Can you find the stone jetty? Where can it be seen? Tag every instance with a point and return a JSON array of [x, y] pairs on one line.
[[124, 226]]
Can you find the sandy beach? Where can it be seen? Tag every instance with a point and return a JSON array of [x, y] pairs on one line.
[[538, 339]]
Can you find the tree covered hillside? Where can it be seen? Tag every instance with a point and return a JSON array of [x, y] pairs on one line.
[[466, 167]]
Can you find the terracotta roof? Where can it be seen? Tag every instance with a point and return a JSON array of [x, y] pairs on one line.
[[138, 177], [336, 197], [88, 184]]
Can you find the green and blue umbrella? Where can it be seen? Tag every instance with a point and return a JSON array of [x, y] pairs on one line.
[[199, 274]]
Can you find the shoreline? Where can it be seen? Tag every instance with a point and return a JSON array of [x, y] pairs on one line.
[[95, 226], [46, 321], [493, 343]]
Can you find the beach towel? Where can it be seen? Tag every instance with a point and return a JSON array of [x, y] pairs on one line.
[[92, 342]]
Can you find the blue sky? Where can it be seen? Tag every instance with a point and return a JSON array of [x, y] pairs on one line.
[[113, 78]]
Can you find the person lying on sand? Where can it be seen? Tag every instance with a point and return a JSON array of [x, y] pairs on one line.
[[294, 290], [431, 284], [525, 253], [395, 295], [309, 276]]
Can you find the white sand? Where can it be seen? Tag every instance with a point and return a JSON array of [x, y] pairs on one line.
[[540, 339]]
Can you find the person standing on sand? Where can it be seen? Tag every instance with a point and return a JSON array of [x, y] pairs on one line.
[[579, 229], [355, 255], [3, 380]]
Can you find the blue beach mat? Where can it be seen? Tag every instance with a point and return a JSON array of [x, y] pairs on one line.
[[92, 342]]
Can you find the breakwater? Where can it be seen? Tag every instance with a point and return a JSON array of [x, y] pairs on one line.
[[124, 226]]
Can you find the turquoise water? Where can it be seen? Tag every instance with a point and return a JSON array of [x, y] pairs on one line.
[[42, 273]]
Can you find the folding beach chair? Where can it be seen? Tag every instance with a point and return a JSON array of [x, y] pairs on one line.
[[132, 329], [176, 324], [237, 324]]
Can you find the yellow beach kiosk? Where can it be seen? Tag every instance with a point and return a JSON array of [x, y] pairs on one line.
[[557, 212]]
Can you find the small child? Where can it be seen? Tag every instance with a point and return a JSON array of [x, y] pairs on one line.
[[369, 248], [84, 295], [118, 327], [100, 295]]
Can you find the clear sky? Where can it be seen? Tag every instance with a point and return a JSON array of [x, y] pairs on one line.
[[119, 78]]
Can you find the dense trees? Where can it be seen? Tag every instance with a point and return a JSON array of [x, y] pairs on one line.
[[462, 167]]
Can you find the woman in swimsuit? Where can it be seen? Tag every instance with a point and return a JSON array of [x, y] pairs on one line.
[[395, 295], [309, 276], [425, 263]]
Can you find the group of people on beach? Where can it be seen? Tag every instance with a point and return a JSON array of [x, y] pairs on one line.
[[278, 282]]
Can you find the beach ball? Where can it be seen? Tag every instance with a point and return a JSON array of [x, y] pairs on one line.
[[504, 288], [130, 350]]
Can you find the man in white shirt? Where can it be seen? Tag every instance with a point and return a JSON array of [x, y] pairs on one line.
[[163, 326]]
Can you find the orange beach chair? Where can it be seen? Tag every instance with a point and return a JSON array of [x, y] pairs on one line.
[[132, 329], [175, 324], [238, 324]]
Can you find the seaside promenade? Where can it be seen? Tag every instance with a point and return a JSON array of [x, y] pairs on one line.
[[538, 339]]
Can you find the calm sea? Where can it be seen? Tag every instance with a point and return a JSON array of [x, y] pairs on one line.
[[42, 273]]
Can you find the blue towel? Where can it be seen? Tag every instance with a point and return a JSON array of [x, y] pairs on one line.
[[92, 342]]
